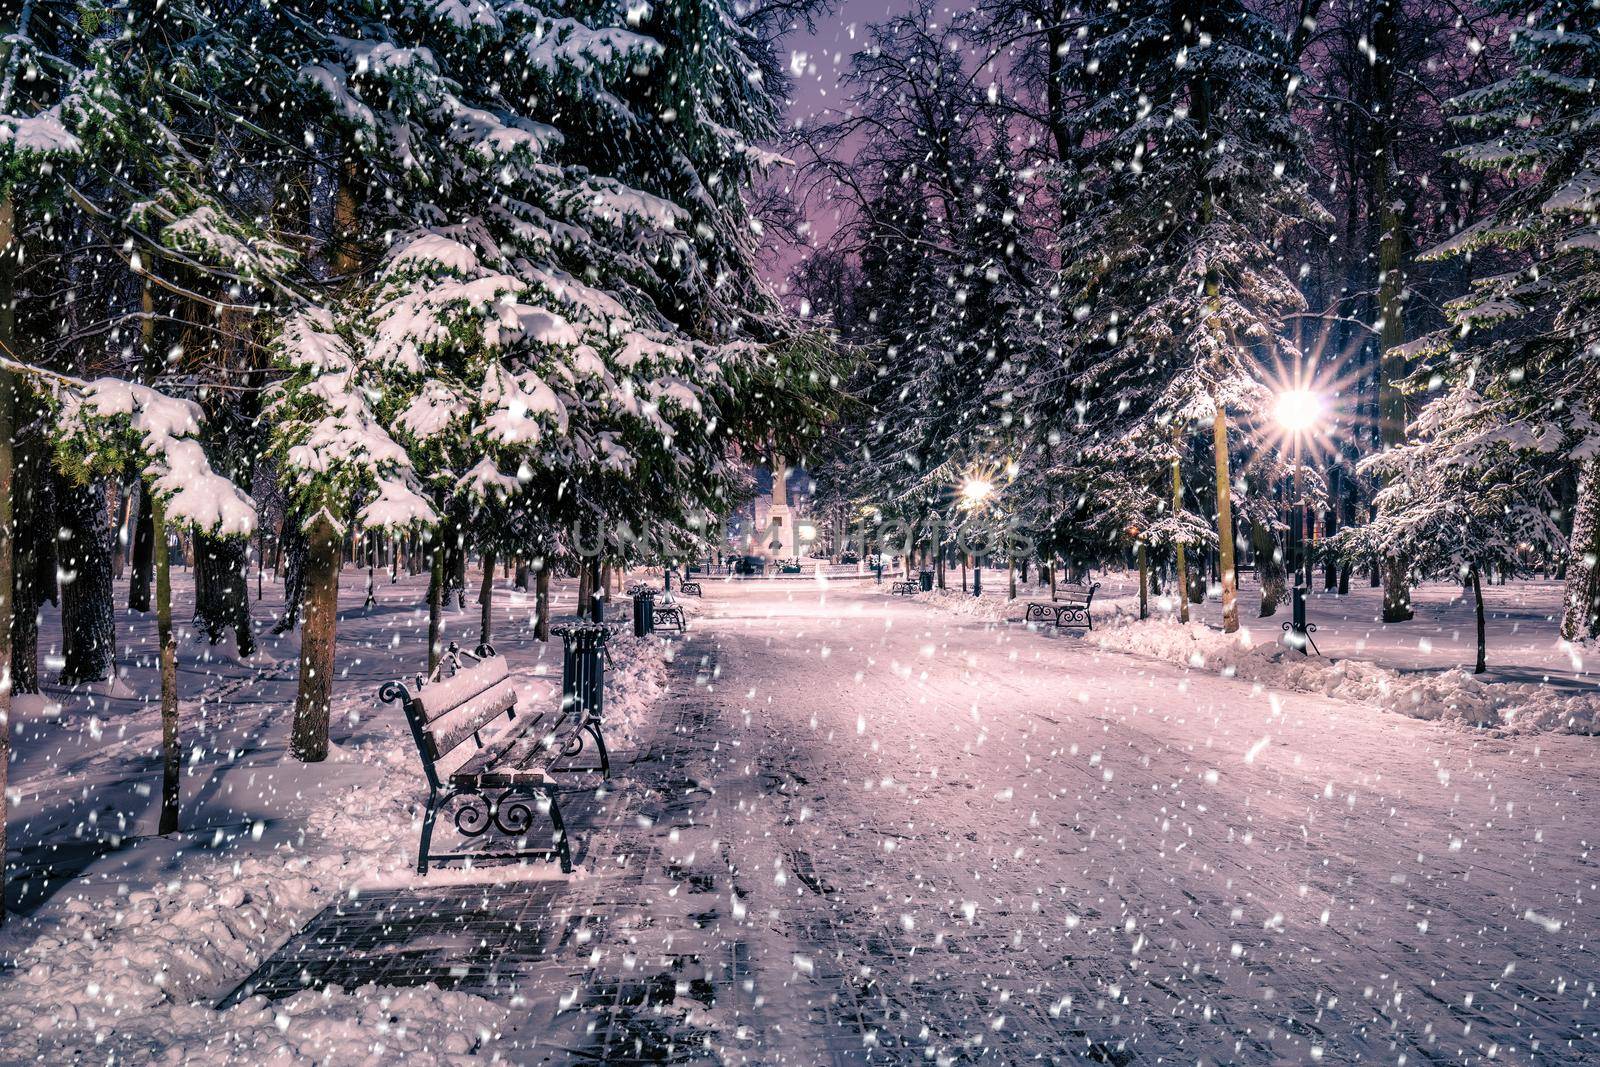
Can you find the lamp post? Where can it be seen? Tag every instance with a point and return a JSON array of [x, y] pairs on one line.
[[975, 492], [1298, 411]]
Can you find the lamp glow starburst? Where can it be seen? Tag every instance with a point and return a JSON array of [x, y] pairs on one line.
[[1299, 410], [975, 490]]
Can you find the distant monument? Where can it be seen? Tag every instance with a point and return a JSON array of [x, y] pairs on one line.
[[780, 540]]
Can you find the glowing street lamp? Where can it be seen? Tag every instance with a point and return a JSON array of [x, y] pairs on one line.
[[974, 491], [1298, 411]]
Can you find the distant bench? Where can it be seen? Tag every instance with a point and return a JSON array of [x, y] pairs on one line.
[[1070, 609], [506, 779], [906, 588]]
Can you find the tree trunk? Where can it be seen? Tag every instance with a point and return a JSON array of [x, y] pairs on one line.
[[1183, 565], [1230, 588], [1270, 571], [33, 554], [117, 519], [371, 543], [541, 602], [8, 433], [436, 595], [1580, 610], [1330, 522], [486, 599], [1396, 590], [222, 589], [453, 541], [1477, 597], [318, 638], [1392, 368], [143, 555], [1011, 576], [167, 646], [294, 574], [1144, 581], [88, 620]]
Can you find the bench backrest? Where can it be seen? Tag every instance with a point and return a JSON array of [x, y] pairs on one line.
[[467, 691], [1077, 591]]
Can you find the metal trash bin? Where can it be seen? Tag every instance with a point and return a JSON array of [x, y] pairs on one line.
[[644, 613], [583, 676], [925, 581]]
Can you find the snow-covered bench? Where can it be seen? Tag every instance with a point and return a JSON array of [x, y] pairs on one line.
[[909, 587], [501, 781], [1071, 608]]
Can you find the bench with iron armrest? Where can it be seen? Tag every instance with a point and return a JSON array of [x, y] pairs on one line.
[[906, 588], [690, 588], [506, 777], [671, 615], [1071, 609]]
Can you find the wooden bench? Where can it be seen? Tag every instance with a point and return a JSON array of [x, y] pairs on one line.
[[1070, 609], [502, 781], [671, 615], [910, 587]]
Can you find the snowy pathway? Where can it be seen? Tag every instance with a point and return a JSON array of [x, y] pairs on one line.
[[914, 834]]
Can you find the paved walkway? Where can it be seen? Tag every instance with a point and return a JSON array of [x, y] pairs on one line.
[[868, 831]]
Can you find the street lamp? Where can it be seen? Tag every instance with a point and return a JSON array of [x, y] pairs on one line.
[[1298, 411], [976, 489]]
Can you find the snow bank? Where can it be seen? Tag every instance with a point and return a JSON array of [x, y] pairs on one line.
[[1455, 695], [126, 968]]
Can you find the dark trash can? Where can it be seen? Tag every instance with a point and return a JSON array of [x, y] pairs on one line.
[[644, 614], [925, 581], [583, 678]]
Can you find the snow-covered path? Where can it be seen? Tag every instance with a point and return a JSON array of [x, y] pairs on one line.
[[949, 837]]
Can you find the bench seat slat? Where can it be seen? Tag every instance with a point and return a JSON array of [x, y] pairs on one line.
[[516, 749], [498, 779]]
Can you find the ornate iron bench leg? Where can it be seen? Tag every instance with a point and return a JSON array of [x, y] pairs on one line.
[[593, 726], [428, 818], [559, 828]]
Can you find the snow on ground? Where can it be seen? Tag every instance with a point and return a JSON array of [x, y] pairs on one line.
[[867, 831], [126, 939], [933, 839], [1421, 668]]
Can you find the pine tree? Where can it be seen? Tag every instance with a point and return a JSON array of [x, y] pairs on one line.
[[1525, 334], [1457, 502], [1193, 176]]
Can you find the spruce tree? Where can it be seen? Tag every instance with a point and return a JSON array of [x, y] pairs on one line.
[[1525, 335]]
